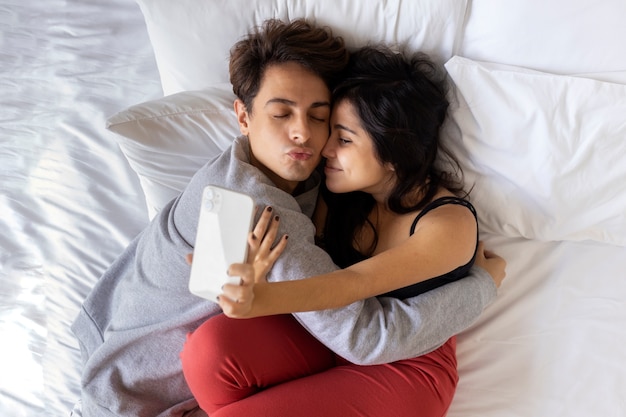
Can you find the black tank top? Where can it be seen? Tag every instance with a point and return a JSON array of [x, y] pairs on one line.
[[458, 273]]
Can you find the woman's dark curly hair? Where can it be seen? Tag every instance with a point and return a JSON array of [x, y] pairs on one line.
[[402, 103]]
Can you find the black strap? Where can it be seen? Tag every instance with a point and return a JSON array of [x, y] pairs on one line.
[[458, 273], [440, 202]]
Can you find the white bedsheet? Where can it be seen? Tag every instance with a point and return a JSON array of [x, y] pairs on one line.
[[69, 201], [551, 345]]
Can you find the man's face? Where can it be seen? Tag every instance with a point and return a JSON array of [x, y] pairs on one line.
[[288, 126]]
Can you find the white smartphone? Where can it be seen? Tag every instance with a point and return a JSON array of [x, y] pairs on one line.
[[221, 239]]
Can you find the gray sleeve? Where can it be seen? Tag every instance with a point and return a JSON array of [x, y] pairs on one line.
[[376, 330], [380, 329], [383, 330]]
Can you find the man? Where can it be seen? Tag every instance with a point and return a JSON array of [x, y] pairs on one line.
[[133, 325]]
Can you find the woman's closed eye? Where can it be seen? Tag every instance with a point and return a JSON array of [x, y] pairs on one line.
[[344, 141]]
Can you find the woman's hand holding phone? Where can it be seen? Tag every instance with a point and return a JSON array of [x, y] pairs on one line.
[[237, 300]]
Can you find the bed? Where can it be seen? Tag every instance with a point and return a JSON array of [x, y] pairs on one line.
[[109, 107]]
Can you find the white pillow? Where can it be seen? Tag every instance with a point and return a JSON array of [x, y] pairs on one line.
[[546, 152], [167, 140], [192, 39], [558, 36]]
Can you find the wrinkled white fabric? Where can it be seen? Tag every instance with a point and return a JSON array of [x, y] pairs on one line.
[[69, 203]]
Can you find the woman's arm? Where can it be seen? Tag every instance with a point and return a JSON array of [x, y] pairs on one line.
[[443, 240]]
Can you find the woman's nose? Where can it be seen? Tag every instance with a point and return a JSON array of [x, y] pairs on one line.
[[329, 149]]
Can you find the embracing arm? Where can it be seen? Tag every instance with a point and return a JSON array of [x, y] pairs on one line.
[[380, 330], [383, 330], [373, 331], [443, 241]]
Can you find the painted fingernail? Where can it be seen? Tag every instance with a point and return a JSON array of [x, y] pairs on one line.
[[286, 237], [269, 208], [276, 218]]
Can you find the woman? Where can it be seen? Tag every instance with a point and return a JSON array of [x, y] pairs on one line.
[[394, 221]]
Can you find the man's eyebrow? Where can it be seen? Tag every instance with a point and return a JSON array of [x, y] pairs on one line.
[[293, 103], [321, 104], [281, 101], [342, 127]]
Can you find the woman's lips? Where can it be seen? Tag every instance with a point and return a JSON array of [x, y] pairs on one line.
[[329, 169]]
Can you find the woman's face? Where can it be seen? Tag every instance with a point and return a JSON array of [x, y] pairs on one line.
[[351, 161]]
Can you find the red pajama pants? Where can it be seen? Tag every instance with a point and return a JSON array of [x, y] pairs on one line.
[[271, 366]]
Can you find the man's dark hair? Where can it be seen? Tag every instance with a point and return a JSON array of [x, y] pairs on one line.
[[277, 42]]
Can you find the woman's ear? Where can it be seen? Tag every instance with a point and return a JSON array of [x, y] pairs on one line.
[[242, 116]]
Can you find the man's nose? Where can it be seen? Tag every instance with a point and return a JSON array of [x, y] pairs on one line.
[[300, 129]]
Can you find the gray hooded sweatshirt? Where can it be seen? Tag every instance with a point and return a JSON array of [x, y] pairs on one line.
[[132, 326]]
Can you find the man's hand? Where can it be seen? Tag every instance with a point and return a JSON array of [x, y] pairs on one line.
[[492, 263]]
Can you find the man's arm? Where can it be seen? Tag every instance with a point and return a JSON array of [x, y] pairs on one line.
[[383, 329], [376, 330]]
